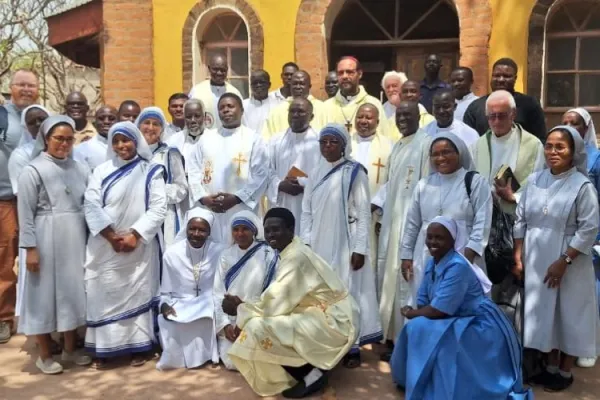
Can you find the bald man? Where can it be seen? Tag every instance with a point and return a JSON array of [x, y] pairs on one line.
[[93, 151], [342, 107], [211, 90], [77, 107], [444, 107], [411, 91], [277, 121]]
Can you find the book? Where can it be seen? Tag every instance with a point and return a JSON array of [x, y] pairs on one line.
[[296, 173], [504, 173]]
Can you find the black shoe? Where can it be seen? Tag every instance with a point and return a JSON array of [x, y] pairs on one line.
[[300, 390], [543, 378], [386, 357], [352, 360], [559, 383]]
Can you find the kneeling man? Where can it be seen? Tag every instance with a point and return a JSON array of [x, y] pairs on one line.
[[303, 324]]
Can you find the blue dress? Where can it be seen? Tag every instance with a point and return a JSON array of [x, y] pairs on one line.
[[473, 354]]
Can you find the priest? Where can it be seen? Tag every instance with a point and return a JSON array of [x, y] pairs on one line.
[[372, 150], [229, 167], [342, 108], [277, 121], [92, 152], [258, 106], [444, 106], [185, 140], [303, 324], [408, 163], [292, 155], [211, 90]]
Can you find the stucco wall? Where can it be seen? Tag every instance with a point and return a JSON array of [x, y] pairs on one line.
[[509, 34]]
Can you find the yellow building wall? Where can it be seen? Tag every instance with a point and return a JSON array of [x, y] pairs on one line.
[[278, 18], [510, 32], [510, 25]]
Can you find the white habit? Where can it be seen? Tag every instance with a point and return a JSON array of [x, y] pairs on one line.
[[336, 221], [287, 150], [231, 161], [188, 339]]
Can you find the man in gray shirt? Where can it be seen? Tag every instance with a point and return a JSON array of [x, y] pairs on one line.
[[24, 88]]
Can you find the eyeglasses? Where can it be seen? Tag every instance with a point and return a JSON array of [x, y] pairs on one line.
[[61, 140], [326, 142], [548, 147], [443, 154], [499, 116], [23, 85]]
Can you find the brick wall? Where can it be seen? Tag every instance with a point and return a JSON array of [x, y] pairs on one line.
[[128, 62], [475, 19]]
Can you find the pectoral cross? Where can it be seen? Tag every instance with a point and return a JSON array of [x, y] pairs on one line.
[[348, 126], [240, 159], [379, 165], [411, 170]]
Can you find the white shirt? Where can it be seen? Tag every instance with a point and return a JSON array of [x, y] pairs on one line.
[[463, 104], [256, 112], [91, 152], [362, 152], [277, 97], [459, 128]]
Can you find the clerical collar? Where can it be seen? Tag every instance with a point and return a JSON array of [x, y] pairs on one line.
[[229, 131], [365, 139], [101, 139], [300, 133], [446, 128], [192, 136], [218, 89], [258, 102]]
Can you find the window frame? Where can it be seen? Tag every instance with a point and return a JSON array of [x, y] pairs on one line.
[[578, 33]]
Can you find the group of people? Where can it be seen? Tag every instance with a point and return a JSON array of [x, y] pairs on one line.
[[279, 234]]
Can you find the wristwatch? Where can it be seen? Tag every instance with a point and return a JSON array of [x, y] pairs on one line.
[[567, 259]]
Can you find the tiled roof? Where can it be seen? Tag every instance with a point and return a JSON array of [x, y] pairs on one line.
[[69, 6]]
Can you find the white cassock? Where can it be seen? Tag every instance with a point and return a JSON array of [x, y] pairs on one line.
[[277, 97], [176, 188], [185, 143], [336, 219], [256, 112], [230, 161], [91, 152], [243, 273], [459, 128], [188, 339], [287, 150], [210, 95], [373, 153], [408, 163]]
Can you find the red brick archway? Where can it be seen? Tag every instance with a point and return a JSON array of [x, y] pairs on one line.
[[242, 8], [316, 16]]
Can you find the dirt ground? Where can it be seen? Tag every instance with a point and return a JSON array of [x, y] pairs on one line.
[[20, 379]]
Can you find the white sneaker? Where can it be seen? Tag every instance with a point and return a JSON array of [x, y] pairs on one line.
[[48, 366], [586, 362], [78, 359]]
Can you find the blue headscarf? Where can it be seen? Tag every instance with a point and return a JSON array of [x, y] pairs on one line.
[[156, 113], [130, 131], [340, 132]]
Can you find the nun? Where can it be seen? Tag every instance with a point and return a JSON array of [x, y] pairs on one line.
[[187, 323], [444, 192], [125, 207], [52, 236], [246, 269], [557, 223], [153, 125], [336, 224]]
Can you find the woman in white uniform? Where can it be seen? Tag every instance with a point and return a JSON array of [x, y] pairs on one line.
[[53, 234], [557, 222], [444, 193], [246, 269]]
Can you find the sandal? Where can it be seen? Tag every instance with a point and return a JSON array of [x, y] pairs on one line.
[[137, 361], [99, 364], [351, 361]]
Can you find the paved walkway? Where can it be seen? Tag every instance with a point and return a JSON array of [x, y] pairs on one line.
[[19, 379]]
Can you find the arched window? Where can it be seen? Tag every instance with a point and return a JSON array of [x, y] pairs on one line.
[[227, 35], [572, 66]]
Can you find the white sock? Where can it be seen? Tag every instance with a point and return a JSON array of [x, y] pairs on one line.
[[312, 377]]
